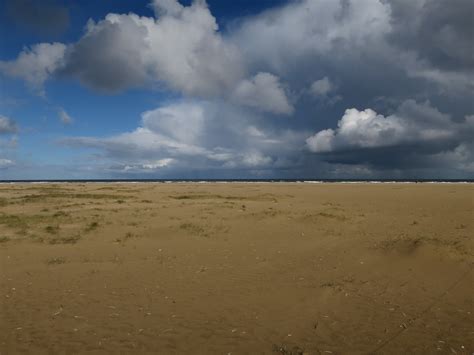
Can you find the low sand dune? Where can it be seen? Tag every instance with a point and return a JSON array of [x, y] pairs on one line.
[[236, 268]]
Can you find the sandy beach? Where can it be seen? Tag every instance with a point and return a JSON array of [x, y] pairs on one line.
[[283, 268]]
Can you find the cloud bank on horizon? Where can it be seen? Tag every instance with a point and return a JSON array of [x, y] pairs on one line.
[[308, 88]]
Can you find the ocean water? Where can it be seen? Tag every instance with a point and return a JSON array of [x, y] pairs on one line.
[[224, 181]]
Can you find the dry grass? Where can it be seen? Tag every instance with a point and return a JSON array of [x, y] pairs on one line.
[[72, 239], [4, 239], [56, 261], [43, 197]]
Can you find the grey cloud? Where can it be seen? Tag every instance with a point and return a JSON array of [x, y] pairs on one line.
[[109, 57], [46, 17], [325, 91], [322, 87], [265, 92], [285, 38], [7, 126], [387, 41], [306, 41], [439, 32], [437, 38], [183, 50]]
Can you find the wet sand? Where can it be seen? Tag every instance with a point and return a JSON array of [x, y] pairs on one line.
[[236, 268]]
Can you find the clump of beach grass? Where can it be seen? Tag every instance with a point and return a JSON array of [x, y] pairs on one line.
[[92, 226], [52, 229], [4, 239], [73, 239], [56, 261]]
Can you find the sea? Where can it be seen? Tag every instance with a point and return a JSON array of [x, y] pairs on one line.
[[224, 181]]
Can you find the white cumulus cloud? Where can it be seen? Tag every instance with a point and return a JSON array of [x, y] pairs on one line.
[[35, 64]]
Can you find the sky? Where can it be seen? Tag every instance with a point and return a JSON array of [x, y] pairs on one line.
[[168, 89]]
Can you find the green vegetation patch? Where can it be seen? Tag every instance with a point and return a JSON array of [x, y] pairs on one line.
[[56, 261], [20, 222], [73, 239], [194, 229], [52, 229], [92, 226], [3, 201], [59, 195], [265, 197], [23, 223]]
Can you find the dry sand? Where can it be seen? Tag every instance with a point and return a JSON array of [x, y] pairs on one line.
[[236, 268]]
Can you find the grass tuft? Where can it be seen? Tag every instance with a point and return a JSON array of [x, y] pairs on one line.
[[52, 229], [56, 261], [65, 240], [4, 239], [92, 226]]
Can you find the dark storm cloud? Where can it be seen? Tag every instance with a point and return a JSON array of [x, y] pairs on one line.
[[440, 31], [399, 156], [416, 135], [46, 16], [452, 160]]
